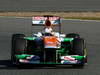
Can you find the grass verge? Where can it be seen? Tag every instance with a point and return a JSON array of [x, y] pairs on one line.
[[66, 15]]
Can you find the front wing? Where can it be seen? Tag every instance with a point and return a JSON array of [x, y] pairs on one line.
[[32, 59]]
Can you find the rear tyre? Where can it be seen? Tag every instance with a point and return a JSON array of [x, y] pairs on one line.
[[73, 35], [18, 46], [78, 49]]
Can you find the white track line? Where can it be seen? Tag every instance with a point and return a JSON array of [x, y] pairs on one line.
[[82, 20], [61, 19], [13, 17]]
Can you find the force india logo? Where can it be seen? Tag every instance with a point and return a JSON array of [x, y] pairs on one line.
[[69, 58], [44, 18]]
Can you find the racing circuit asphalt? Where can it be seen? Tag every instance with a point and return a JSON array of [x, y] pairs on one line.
[[49, 5], [90, 30]]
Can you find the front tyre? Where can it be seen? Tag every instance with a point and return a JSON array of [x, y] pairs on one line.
[[18, 46], [78, 49]]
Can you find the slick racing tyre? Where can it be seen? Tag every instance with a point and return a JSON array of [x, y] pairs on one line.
[[18, 46], [73, 35], [78, 46], [78, 49]]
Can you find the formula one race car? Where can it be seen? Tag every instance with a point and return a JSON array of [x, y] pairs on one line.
[[48, 48]]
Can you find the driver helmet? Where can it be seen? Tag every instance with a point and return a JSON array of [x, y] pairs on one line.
[[48, 23], [48, 30]]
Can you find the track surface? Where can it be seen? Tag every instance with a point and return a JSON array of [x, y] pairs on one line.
[[90, 30], [49, 5]]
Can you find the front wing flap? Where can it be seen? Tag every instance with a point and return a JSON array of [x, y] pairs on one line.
[[72, 59]]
